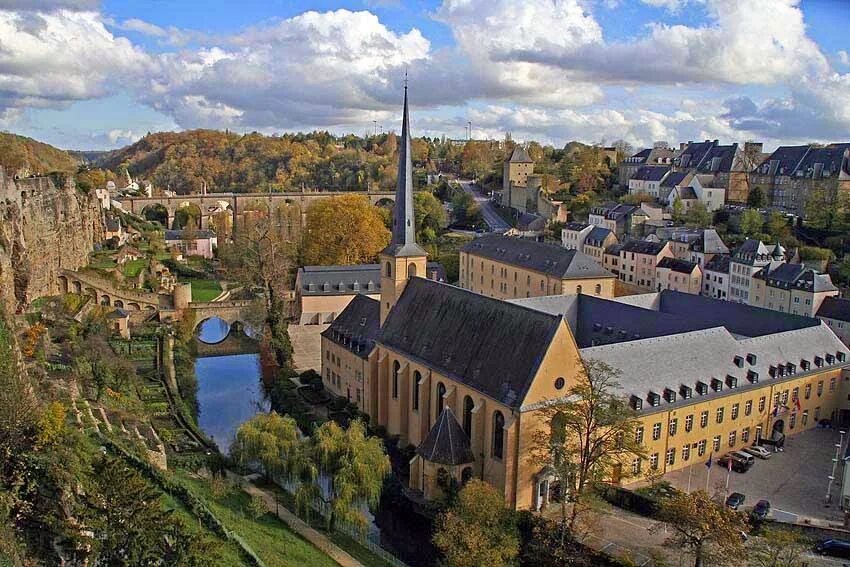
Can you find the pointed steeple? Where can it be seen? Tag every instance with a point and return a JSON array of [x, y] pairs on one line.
[[404, 229]]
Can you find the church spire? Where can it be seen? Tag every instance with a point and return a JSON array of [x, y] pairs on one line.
[[404, 229]]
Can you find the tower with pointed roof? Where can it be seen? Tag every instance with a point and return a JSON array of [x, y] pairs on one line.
[[403, 258], [517, 168]]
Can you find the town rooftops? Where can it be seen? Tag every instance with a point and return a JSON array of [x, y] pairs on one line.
[[182, 234], [718, 159], [357, 326], [346, 280], [693, 153], [643, 247], [651, 173], [576, 226], [836, 308], [614, 211], [672, 346], [447, 442], [753, 251], [709, 242], [795, 276], [675, 178], [597, 236], [536, 256], [820, 162], [519, 155], [719, 263], [677, 265], [464, 335]]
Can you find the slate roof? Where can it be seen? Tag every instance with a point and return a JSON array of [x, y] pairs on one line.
[[446, 443], [519, 155], [752, 251], [597, 236], [179, 234], [576, 226], [345, 280], [835, 308], [357, 326], [643, 247], [614, 211], [693, 154], [676, 265], [674, 178], [780, 274], [719, 263], [709, 242], [464, 335], [830, 156], [784, 160], [537, 256], [112, 225], [614, 249], [725, 156], [687, 193], [651, 173]]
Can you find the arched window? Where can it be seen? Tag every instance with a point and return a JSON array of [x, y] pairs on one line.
[[396, 367], [498, 435], [441, 391], [557, 428], [411, 270], [417, 378], [598, 289], [389, 269], [468, 406]]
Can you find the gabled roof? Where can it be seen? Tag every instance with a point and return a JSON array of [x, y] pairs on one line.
[[519, 155], [643, 247], [693, 154], [346, 280], [446, 443], [597, 236], [719, 263], [651, 173], [674, 178], [537, 256], [357, 326], [829, 158], [464, 335], [784, 160], [718, 159], [709, 242], [836, 308], [676, 265], [576, 226]]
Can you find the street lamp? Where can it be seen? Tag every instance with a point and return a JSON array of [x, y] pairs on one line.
[[831, 477]]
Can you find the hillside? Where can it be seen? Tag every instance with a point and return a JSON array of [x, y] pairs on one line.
[[184, 161], [24, 156]]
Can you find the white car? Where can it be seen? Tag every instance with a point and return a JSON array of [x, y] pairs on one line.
[[758, 451]]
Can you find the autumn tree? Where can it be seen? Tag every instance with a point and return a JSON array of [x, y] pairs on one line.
[[343, 230], [751, 222], [477, 159], [708, 530], [777, 547], [698, 216], [777, 226], [351, 464], [586, 434], [271, 440], [477, 531], [429, 216]]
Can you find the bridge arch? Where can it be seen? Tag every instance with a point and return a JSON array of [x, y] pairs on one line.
[[63, 284], [385, 202], [156, 212], [187, 214]]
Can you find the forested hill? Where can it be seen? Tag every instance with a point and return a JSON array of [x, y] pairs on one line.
[[184, 161], [20, 155]]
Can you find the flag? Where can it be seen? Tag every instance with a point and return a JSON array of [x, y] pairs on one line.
[[729, 465], [708, 464], [775, 411], [797, 403]]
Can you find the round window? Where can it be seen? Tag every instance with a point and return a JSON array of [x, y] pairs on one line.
[[559, 383]]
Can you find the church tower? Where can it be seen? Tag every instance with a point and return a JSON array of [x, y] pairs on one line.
[[403, 258]]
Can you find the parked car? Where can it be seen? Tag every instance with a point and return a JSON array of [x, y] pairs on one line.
[[760, 510], [738, 465], [735, 500], [834, 548], [758, 451], [750, 460]]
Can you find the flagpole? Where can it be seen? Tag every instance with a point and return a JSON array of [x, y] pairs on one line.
[[690, 472]]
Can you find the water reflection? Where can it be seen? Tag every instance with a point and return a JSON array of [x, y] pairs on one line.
[[229, 393], [213, 330]]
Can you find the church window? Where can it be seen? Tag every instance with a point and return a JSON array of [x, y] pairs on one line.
[[411, 271], [441, 392], [498, 435], [389, 269], [417, 379], [396, 367], [468, 406]]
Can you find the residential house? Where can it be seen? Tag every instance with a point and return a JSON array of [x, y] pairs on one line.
[[659, 154], [638, 259], [611, 259], [716, 277], [624, 220], [748, 259], [597, 242], [835, 312], [729, 166], [791, 288], [574, 234], [115, 231], [192, 242], [647, 180], [678, 275]]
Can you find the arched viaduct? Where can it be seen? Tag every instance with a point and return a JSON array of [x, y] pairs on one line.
[[107, 293], [229, 311], [211, 204]]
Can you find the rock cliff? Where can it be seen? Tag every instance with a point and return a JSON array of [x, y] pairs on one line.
[[45, 226]]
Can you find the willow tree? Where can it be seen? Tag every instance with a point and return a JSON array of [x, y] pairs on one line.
[[346, 470], [586, 434], [271, 440]]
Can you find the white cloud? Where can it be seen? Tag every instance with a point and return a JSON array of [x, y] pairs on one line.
[[844, 57]]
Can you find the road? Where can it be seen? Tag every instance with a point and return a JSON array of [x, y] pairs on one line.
[[488, 209]]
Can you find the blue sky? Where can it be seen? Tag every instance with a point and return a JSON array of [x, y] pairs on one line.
[[91, 74]]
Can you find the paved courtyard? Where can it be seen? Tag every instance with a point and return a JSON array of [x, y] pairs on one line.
[[794, 481]]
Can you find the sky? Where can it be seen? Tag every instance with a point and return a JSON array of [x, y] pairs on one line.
[[100, 74]]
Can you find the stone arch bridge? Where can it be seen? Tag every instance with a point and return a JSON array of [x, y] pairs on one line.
[[211, 204], [105, 292], [229, 311]]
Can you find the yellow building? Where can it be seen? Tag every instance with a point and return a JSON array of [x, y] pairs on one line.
[[792, 288], [678, 275], [507, 268], [463, 377], [638, 259]]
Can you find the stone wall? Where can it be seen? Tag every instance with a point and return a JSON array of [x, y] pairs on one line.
[[43, 229]]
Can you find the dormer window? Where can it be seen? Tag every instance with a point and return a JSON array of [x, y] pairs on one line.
[[772, 371], [731, 381], [311, 287], [752, 359], [753, 376], [716, 384], [781, 369], [702, 388], [830, 359], [669, 395], [842, 356], [654, 399], [791, 368], [341, 286], [636, 403], [326, 286], [597, 327], [355, 286], [739, 361], [818, 361], [805, 364], [370, 286], [686, 392]]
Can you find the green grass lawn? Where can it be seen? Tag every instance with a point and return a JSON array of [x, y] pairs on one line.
[[269, 537], [133, 267], [229, 554], [204, 290]]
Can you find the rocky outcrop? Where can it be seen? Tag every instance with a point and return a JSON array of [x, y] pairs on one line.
[[45, 226]]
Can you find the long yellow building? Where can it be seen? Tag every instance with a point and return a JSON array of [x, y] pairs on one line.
[[463, 376]]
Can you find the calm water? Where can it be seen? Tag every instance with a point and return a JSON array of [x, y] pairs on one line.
[[229, 393]]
